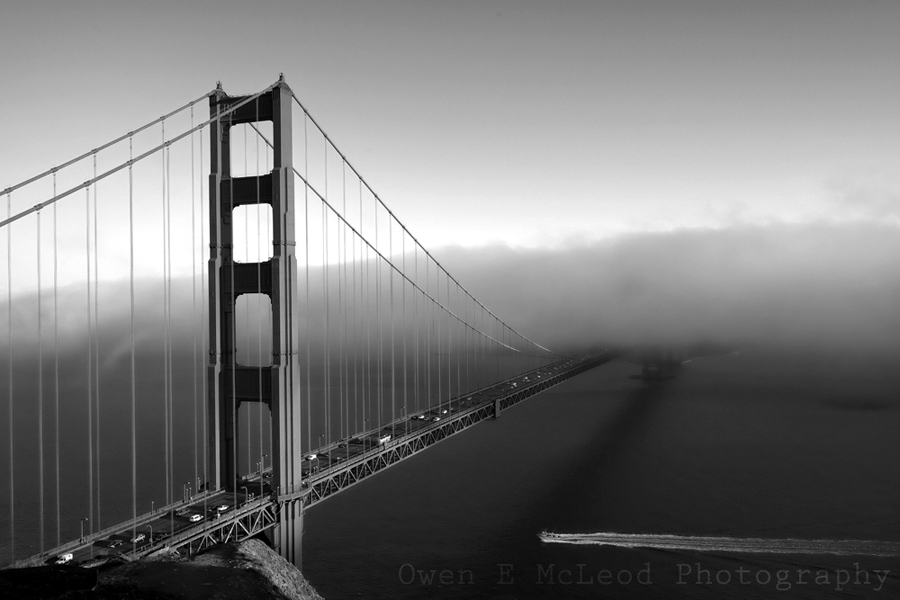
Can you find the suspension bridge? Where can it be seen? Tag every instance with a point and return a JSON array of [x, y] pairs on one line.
[[212, 323]]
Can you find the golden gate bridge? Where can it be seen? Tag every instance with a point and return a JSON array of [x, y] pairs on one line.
[[213, 322]]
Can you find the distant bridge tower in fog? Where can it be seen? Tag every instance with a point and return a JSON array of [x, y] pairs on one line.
[[139, 423]]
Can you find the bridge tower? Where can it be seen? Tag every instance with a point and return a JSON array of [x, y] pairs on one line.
[[231, 383]]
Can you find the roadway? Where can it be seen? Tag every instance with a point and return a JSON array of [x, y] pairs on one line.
[[209, 509]]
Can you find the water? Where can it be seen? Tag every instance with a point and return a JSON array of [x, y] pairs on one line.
[[765, 444]]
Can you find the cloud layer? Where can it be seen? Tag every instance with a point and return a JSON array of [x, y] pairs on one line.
[[819, 283]]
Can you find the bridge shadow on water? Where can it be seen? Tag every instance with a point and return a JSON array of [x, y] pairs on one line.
[[609, 445]]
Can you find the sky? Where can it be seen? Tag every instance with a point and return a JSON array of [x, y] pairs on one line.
[[565, 130]]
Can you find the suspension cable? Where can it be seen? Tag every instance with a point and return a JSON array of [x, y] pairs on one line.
[[167, 440], [10, 392], [259, 311], [95, 517], [378, 254], [106, 145], [381, 202], [133, 345], [194, 318], [56, 369], [132, 159], [40, 379], [90, 356]]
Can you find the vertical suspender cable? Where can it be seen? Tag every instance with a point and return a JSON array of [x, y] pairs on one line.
[[438, 317], [259, 310], [131, 314], [458, 352], [56, 368], [367, 384], [165, 230], [404, 330], [326, 396], [9, 378], [41, 376], [170, 392], [90, 355], [346, 307], [363, 321], [391, 289], [92, 515], [194, 319], [427, 324], [380, 379], [341, 312], [170, 384], [356, 341], [204, 287], [416, 330], [449, 345], [232, 303], [308, 327], [247, 328], [269, 166]]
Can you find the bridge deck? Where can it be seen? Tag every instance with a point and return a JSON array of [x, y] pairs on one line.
[[215, 517]]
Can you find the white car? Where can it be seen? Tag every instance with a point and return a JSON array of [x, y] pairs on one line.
[[195, 518], [64, 558]]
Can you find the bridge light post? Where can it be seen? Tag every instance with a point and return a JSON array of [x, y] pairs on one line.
[[151, 507], [82, 527]]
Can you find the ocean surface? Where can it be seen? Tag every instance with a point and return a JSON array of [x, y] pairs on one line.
[[762, 444]]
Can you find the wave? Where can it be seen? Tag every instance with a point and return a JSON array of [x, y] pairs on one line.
[[728, 544]]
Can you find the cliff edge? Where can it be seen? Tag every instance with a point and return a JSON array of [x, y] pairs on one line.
[[244, 570]]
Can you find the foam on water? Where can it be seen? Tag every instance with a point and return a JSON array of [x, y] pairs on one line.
[[728, 544]]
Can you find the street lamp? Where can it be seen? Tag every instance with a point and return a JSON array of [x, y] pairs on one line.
[[246, 493], [82, 527], [151, 507]]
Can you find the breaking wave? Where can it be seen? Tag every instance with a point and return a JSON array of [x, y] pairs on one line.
[[728, 544]]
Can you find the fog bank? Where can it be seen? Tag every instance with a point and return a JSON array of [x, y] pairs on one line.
[[820, 284]]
